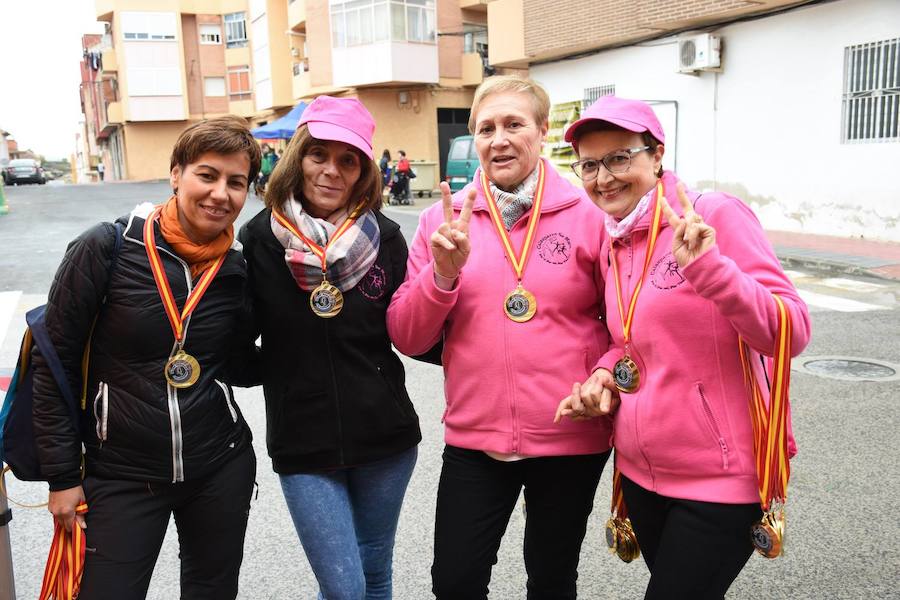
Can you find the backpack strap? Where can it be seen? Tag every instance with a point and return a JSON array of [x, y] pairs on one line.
[[86, 357], [35, 320]]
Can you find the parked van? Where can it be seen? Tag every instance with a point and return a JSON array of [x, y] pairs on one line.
[[461, 162]]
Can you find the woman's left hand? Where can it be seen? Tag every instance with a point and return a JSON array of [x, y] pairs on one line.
[[692, 235], [596, 397]]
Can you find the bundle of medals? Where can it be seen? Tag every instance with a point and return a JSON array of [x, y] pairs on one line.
[[620, 537], [769, 421]]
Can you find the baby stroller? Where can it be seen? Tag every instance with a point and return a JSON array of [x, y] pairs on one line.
[[400, 188]]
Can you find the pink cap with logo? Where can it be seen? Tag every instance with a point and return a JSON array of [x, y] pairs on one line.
[[340, 120], [632, 115]]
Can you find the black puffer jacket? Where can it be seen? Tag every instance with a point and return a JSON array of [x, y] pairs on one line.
[[335, 391], [134, 425]]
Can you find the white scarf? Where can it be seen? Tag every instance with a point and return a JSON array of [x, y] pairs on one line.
[[621, 228]]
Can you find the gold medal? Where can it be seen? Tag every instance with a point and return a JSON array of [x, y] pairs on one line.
[[182, 370], [627, 375], [520, 304], [768, 534], [326, 300], [621, 540]]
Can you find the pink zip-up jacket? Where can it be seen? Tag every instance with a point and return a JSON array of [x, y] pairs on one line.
[[504, 380], [686, 432]]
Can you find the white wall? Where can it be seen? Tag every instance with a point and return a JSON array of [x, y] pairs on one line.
[[767, 128]]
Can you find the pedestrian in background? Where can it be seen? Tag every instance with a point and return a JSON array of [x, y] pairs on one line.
[[385, 165], [341, 430], [704, 275], [507, 274], [100, 170], [161, 431]]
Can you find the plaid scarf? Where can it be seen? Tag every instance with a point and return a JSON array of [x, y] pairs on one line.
[[348, 259], [513, 205]]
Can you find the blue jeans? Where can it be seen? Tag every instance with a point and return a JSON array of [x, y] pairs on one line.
[[346, 520]]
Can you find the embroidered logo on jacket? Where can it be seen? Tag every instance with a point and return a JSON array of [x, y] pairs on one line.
[[373, 284], [554, 248], [665, 274]]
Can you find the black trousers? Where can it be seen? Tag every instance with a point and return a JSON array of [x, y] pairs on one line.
[[127, 521], [694, 550], [476, 496]]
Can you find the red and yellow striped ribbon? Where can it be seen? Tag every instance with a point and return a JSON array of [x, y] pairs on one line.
[[773, 467], [65, 563], [518, 261], [316, 249], [162, 282], [617, 507], [654, 234]]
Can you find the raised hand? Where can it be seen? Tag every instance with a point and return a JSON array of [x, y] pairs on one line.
[[692, 236], [450, 242]]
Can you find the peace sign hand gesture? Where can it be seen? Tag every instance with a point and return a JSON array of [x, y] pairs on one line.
[[450, 242], [692, 236]]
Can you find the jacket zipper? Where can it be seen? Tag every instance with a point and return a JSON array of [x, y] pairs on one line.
[[172, 393], [337, 396], [723, 447], [228, 400], [102, 417]]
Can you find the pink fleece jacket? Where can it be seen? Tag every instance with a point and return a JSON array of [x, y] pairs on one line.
[[686, 432], [504, 380]]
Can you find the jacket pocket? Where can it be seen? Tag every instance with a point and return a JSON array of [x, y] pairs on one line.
[[101, 412], [392, 389], [713, 424], [229, 401]]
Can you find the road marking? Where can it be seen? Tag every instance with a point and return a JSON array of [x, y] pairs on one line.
[[8, 303], [836, 303], [852, 285]]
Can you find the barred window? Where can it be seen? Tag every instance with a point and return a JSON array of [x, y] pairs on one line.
[[871, 107], [592, 94]]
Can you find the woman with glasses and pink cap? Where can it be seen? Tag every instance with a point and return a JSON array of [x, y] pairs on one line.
[[695, 297], [507, 274], [323, 263]]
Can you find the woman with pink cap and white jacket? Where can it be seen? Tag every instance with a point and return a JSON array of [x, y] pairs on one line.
[[689, 276], [507, 274], [323, 263]]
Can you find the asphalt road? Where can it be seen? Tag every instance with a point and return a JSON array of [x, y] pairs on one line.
[[843, 514]]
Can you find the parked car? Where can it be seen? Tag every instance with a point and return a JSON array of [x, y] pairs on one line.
[[24, 170], [462, 162]]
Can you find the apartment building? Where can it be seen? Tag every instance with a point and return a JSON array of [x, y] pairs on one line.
[[782, 103], [161, 65]]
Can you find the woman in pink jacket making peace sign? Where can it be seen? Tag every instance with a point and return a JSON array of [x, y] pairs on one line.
[[507, 273], [693, 286]]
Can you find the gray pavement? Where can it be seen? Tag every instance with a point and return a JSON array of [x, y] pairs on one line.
[[843, 520]]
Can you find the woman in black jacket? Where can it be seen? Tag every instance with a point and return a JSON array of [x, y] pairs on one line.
[[341, 430], [162, 321]]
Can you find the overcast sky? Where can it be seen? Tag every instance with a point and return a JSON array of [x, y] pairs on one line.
[[41, 40]]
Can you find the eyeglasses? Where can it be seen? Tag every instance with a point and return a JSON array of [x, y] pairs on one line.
[[615, 162]]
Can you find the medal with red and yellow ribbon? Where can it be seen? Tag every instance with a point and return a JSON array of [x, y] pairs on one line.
[[520, 304], [326, 300], [626, 373], [182, 370], [773, 467], [620, 537], [65, 562]]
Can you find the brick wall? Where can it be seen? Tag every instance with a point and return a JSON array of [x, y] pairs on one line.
[[552, 30]]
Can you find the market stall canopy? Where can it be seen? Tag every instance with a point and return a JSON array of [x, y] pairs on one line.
[[282, 128]]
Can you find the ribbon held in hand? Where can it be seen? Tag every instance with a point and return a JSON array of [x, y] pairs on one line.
[[65, 564]]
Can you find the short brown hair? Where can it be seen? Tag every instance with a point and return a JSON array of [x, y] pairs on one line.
[[512, 83], [223, 135], [287, 178]]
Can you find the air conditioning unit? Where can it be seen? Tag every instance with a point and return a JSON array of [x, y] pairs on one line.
[[699, 53]]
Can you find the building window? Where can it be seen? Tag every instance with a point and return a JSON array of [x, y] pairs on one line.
[[148, 26], [235, 30], [871, 107], [361, 22], [214, 86], [592, 94], [239, 83], [210, 34]]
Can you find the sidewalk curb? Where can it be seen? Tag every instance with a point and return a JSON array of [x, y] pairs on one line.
[[834, 267]]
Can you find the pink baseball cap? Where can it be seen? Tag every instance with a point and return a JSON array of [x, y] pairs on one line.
[[632, 115], [340, 120]]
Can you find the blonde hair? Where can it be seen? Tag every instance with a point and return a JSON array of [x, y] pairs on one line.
[[512, 83]]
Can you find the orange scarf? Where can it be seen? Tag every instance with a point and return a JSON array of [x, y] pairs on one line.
[[198, 256]]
